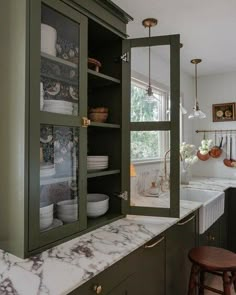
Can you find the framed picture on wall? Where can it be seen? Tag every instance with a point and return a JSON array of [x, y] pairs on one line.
[[223, 112]]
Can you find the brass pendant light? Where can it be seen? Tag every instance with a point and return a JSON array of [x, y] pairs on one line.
[[196, 113], [149, 23]]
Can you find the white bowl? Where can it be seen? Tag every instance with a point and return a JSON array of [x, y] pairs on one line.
[[68, 203], [97, 205], [46, 215], [48, 39], [68, 218], [45, 209], [45, 222]]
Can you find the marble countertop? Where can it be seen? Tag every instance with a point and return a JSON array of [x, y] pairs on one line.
[[210, 183], [63, 268]]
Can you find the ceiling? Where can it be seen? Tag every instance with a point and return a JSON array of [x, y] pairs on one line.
[[206, 28]]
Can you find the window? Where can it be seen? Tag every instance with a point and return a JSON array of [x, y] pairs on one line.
[[148, 145]]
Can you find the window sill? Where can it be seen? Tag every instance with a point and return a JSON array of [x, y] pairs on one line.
[[149, 161]]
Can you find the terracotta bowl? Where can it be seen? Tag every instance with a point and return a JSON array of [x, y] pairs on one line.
[[98, 117]]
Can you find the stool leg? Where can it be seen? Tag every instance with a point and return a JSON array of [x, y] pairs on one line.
[[202, 278], [226, 283], [193, 279], [234, 279]]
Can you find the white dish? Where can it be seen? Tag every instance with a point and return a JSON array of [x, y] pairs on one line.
[[48, 39], [97, 166], [97, 204], [56, 222], [148, 194], [45, 222], [97, 158], [68, 202], [68, 218], [58, 103], [46, 209]]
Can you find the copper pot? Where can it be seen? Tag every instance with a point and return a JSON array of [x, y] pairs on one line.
[[216, 151], [203, 157]]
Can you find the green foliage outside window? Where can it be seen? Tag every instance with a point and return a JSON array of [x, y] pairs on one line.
[[144, 144]]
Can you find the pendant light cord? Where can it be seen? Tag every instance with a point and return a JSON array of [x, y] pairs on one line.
[[196, 102], [149, 57]]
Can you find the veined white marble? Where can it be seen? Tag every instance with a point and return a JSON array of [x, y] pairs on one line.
[[63, 268], [210, 183]]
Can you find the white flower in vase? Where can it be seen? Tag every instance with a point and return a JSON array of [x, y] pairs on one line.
[[188, 155]]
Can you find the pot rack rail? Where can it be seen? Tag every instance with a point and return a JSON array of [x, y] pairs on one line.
[[216, 131]]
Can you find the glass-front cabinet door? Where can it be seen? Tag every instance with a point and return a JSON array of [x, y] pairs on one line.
[[58, 103], [150, 167]]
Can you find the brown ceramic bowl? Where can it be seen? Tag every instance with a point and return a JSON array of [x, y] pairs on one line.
[[98, 117]]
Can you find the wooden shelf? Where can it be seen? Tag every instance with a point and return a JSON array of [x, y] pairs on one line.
[[104, 125], [58, 78], [59, 60], [96, 79], [102, 173], [54, 179]]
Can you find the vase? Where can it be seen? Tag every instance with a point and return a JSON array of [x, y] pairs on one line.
[[185, 176]]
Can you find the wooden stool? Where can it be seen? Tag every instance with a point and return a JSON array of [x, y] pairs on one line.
[[212, 260]]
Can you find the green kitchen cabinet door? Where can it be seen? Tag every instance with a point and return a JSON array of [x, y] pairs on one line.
[[180, 238], [231, 219], [151, 124], [57, 139], [149, 277]]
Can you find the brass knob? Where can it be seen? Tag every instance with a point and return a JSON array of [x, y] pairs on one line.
[[97, 289], [85, 122]]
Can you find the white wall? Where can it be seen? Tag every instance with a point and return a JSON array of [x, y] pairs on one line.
[[211, 90]]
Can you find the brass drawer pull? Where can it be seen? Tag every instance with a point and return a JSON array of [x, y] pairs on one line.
[[154, 244], [186, 221], [97, 289], [85, 122], [210, 237]]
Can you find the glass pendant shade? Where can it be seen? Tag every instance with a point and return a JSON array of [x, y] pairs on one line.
[[196, 113], [182, 109]]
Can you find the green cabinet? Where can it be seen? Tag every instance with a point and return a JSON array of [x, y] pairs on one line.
[[141, 272], [74, 70], [180, 238], [150, 277], [231, 230]]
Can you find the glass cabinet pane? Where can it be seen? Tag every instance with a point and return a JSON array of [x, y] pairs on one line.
[[59, 63], [58, 176], [154, 107], [150, 169]]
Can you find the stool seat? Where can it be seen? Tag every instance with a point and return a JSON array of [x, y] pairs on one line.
[[216, 261], [213, 258]]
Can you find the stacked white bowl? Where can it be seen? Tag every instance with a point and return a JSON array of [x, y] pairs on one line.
[[96, 163], [46, 215], [67, 211], [58, 106], [48, 39], [97, 205], [47, 170]]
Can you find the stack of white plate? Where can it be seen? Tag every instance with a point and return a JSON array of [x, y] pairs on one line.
[[58, 106], [67, 211], [48, 39], [46, 215], [96, 163], [47, 170], [97, 205]]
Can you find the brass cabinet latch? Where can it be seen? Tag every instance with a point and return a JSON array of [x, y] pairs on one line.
[[85, 122], [97, 289]]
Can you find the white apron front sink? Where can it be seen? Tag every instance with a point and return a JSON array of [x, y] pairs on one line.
[[212, 205]]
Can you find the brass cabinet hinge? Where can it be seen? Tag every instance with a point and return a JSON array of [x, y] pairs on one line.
[[85, 122]]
